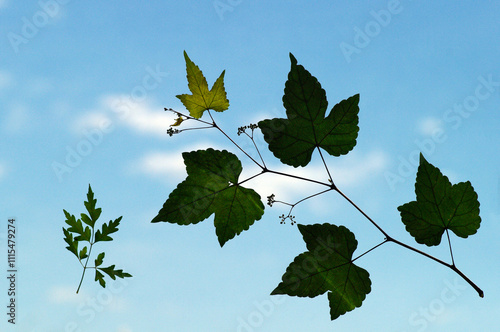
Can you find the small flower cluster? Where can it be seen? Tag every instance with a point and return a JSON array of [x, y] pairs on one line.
[[251, 126], [284, 218], [270, 200], [172, 131], [178, 121]]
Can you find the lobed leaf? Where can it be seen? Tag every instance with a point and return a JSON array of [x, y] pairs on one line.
[[112, 273], [327, 266], [99, 259], [83, 253], [85, 236], [72, 244], [76, 226], [87, 220], [94, 212], [100, 277], [211, 187], [293, 140], [111, 227], [72, 222], [440, 206], [201, 98]]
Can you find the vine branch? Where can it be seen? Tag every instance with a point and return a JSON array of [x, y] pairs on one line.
[[87, 261], [332, 186], [391, 239]]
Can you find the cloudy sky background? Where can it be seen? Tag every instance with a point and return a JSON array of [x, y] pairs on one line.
[[83, 85]]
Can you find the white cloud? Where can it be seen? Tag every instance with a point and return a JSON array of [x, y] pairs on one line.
[[108, 298], [283, 187], [429, 126], [347, 171], [160, 164], [267, 114], [358, 169], [141, 117], [168, 166], [64, 295], [91, 120]]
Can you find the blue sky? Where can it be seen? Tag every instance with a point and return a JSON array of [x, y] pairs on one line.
[[84, 84]]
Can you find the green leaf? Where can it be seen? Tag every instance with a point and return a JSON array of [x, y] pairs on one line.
[[94, 212], [202, 99], [327, 266], [76, 227], [111, 227], [71, 221], [72, 244], [294, 139], [212, 187], [85, 236], [98, 260], [440, 206], [100, 277], [86, 219], [110, 271], [83, 253]]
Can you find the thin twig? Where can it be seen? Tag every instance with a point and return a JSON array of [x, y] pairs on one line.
[[87, 261], [378, 245], [229, 138], [292, 206], [451, 251], [326, 167], [195, 128], [300, 178], [257, 149], [363, 213]]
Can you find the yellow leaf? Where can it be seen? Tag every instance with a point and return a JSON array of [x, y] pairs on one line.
[[201, 98], [178, 121]]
